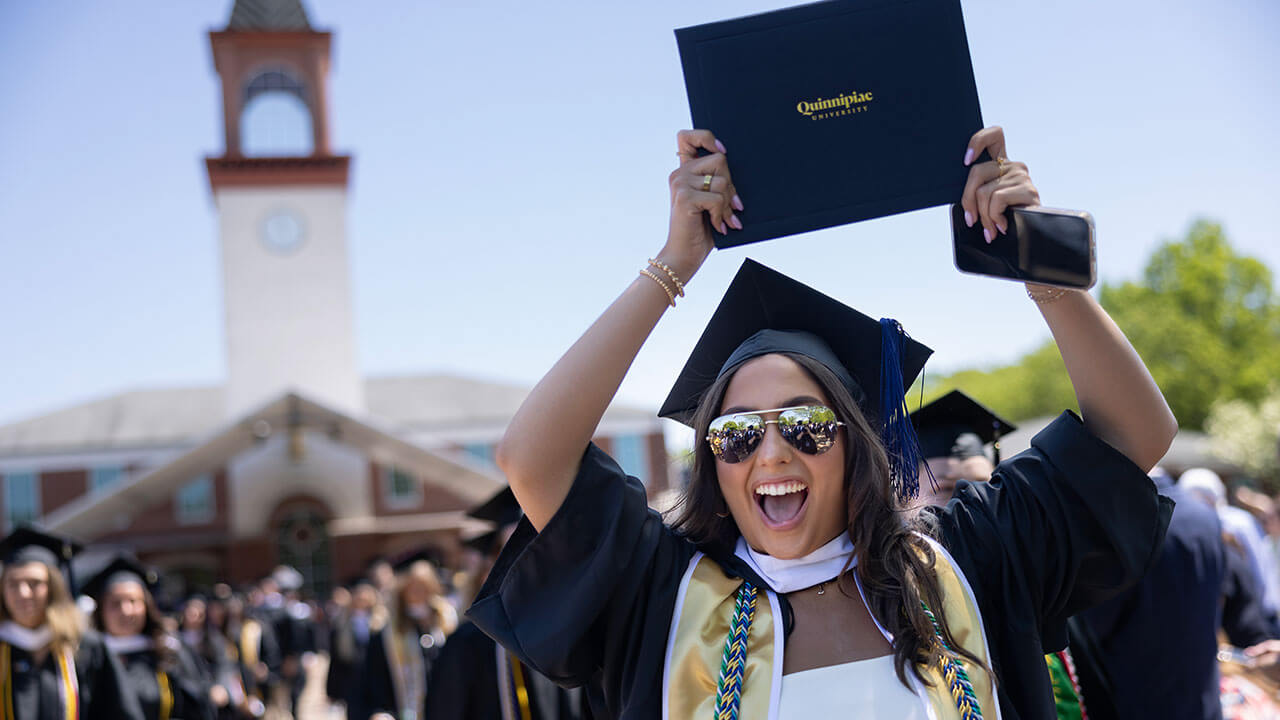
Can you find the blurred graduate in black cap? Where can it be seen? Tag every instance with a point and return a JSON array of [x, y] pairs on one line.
[[789, 583], [51, 668], [953, 432], [241, 650], [400, 653], [474, 678], [161, 671]]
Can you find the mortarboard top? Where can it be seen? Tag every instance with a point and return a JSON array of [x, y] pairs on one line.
[[27, 544], [404, 562], [956, 425], [763, 299], [483, 543], [501, 509], [124, 568], [764, 311]]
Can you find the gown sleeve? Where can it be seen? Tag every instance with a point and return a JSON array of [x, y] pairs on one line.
[[1060, 528], [589, 599], [104, 691]]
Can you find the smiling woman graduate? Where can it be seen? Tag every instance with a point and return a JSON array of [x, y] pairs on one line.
[[51, 668], [159, 670], [792, 583]]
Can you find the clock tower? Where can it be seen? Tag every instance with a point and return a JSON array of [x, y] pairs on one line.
[[281, 197]]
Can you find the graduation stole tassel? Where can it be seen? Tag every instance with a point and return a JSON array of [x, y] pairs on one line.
[[67, 685], [734, 660]]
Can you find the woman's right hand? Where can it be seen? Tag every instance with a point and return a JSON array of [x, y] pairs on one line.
[[689, 239]]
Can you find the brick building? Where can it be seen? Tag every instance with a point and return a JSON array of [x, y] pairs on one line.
[[296, 458]]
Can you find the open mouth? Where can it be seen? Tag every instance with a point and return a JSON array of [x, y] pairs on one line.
[[782, 503]]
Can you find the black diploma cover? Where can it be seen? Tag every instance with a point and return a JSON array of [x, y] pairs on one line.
[[837, 111]]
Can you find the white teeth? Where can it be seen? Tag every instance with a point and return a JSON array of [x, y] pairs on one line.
[[782, 488]]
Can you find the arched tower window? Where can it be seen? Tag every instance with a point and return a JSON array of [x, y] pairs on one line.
[[276, 120]]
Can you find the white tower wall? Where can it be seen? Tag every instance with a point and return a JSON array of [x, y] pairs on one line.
[[289, 318]]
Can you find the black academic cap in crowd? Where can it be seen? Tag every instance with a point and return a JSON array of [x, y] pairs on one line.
[[28, 544], [404, 562], [764, 312], [483, 544], [501, 509], [956, 425], [124, 568]]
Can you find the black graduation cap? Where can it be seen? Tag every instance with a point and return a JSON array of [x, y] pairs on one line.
[[501, 509], [404, 562], [124, 568], [764, 311], [483, 544], [956, 425], [28, 544]]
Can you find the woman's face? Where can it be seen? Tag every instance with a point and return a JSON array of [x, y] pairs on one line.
[[26, 593], [193, 615], [124, 609], [811, 509]]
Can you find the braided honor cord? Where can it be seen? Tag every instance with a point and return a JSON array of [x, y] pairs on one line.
[[953, 672], [734, 660]]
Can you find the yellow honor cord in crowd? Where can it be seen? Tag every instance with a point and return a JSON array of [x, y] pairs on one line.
[[166, 695], [522, 690], [70, 693]]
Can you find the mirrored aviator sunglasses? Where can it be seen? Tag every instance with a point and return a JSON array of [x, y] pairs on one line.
[[811, 429]]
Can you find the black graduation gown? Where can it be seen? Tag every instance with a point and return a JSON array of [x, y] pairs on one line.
[[1060, 527], [464, 684], [104, 694], [379, 688], [345, 680], [187, 684]]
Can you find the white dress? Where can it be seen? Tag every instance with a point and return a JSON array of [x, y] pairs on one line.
[[859, 689]]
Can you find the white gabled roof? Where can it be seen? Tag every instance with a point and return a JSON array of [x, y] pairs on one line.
[[94, 514], [419, 407]]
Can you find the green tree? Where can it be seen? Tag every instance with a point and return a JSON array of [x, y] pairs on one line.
[[1204, 318]]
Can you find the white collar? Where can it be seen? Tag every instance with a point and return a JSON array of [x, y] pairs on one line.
[[128, 644], [25, 638], [786, 576]]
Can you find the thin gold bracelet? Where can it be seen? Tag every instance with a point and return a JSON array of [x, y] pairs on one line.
[[675, 279], [1050, 296], [670, 295]]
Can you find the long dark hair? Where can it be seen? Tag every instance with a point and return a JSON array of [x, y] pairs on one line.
[[894, 563]]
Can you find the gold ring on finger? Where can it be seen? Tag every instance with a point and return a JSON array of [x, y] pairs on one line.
[[706, 182], [1003, 165]]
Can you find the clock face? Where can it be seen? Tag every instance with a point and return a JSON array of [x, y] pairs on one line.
[[282, 232]]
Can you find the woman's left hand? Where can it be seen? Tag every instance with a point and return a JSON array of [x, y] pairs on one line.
[[995, 185]]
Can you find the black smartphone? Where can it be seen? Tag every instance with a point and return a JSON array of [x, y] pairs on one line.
[[1042, 245]]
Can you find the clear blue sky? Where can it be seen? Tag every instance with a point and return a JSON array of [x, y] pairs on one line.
[[510, 178]]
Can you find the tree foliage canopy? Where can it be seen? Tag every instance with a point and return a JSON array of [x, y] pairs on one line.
[[1203, 317]]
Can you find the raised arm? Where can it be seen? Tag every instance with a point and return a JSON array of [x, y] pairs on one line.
[[543, 445], [1118, 398]]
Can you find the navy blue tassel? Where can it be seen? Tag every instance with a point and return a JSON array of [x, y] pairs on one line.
[[896, 430]]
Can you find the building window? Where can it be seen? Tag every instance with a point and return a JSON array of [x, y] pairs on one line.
[[275, 121], [21, 498], [194, 504], [101, 478], [482, 453], [400, 488], [632, 453]]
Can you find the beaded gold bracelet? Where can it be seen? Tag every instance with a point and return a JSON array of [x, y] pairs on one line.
[[1051, 295], [675, 279], [670, 295]]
